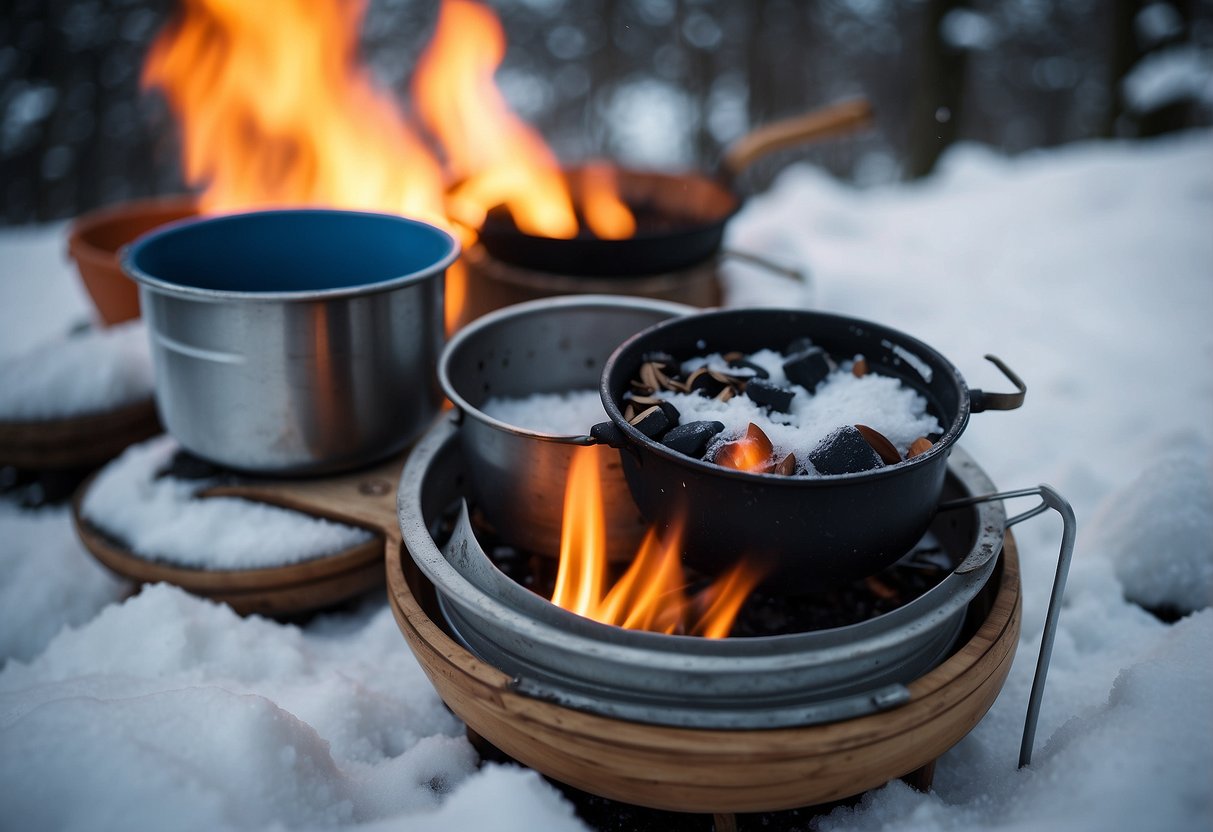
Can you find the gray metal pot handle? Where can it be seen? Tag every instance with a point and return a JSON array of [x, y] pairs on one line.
[[763, 263], [980, 400], [1050, 499]]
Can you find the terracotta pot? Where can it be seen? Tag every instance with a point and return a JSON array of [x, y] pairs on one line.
[[93, 242]]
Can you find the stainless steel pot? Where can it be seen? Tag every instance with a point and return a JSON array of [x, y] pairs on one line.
[[553, 345], [296, 341]]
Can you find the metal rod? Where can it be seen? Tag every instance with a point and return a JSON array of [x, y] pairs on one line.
[[1069, 529], [790, 272], [1050, 499]]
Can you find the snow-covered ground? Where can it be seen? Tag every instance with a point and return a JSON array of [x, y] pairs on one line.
[[1089, 269]]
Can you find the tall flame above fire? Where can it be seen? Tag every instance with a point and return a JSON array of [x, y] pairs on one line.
[[651, 594], [276, 110], [493, 156]]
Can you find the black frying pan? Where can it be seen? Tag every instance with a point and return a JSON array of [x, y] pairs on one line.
[[680, 217]]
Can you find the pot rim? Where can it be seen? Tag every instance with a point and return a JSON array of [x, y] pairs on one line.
[[528, 309], [942, 447], [128, 254]]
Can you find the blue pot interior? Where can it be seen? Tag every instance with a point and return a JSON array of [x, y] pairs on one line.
[[290, 251]]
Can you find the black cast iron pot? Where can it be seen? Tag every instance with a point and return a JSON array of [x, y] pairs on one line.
[[808, 530]]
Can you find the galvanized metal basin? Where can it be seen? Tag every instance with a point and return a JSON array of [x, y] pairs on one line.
[[683, 681]]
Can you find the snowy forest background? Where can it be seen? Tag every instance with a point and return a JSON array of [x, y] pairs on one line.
[[664, 83]]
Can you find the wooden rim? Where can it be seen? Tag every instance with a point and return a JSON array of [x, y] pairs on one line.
[[77, 441], [702, 770]]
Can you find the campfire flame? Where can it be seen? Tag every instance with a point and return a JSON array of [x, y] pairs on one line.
[[605, 213], [493, 156], [276, 110], [652, 593]]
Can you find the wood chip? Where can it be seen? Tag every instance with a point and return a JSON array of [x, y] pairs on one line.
[[787, 467], [648, 375], [629, 413], [726, 394], [919, 446], [882, 446], [860, 368], [725, 378], [671, 384]]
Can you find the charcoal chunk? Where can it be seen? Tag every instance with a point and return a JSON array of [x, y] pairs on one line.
[[745, 364], [692, 438], [844, 451], [652, 422], [798, 345], [703, 382], [807, 368], [670, 411], [774, 396]]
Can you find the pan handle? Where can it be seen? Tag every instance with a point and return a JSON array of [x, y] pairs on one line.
[[980, 400], [763, 263], [826, 122]]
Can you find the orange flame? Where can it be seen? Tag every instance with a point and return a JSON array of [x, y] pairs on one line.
[[495, 158], [276, 110], [651, 594], [751, 452], [605, 212]]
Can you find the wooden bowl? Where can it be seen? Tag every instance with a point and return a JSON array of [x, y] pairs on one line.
[[78, 441], [366, 499], [93, 241], [718, 771]]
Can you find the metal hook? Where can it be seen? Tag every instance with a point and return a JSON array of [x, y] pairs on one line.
[[980, 400]]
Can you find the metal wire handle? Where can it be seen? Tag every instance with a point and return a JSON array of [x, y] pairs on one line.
[[1050, 499]]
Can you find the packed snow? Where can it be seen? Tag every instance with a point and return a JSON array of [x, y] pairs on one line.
[[555, 414], [161, 518], [1088, 269], [92, 371]]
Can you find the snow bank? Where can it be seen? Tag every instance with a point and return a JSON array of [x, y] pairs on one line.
[[169, 711], [1158, 530], [49, 581]]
